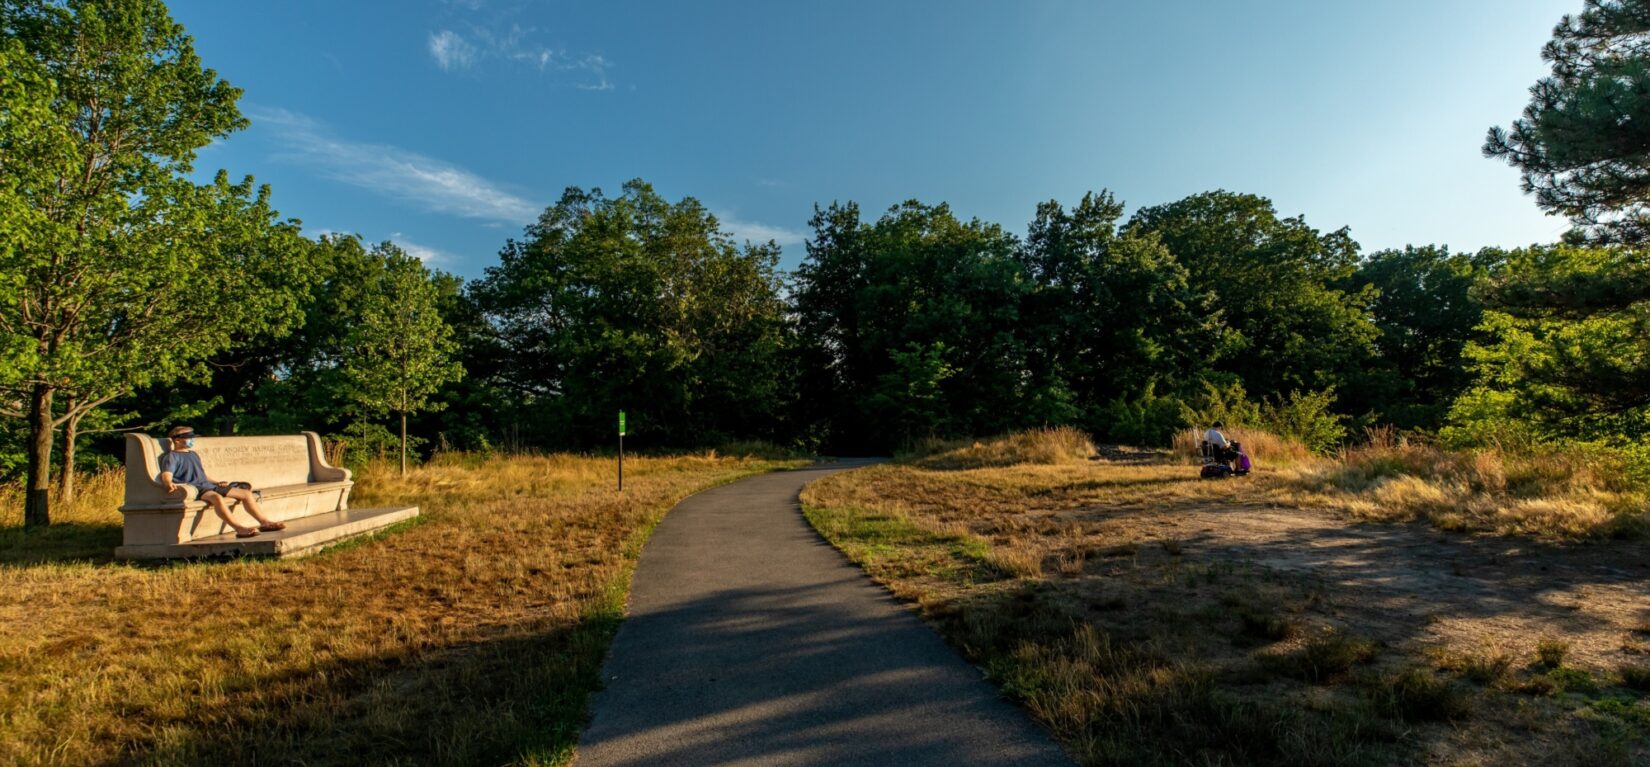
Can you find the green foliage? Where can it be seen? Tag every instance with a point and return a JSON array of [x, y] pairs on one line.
[[1418, 695], [1555, 364], [1580, 144], [909, 396], [1277, 287], [1110, 311], [1306, 418], [1550, 653], [1426, 312], [119, 272], [1225, 402], [1147, 419], [636, 303], [919, 313]]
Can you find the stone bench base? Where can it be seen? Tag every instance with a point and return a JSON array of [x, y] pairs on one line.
[[302, 536]]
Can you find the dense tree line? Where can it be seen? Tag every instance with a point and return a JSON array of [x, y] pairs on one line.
[[131, 297]]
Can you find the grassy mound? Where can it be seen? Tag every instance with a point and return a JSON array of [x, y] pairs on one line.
[[1047, 447], [1571, 492]]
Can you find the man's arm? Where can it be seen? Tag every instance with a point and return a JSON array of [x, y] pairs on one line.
[[166, 481]]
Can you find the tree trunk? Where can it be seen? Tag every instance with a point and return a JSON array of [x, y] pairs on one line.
[[71, 434], [36, 505], [403, 443]]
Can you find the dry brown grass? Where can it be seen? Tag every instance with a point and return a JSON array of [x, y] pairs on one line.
[[472, 636], [1263, 447], [1045, 447], [1108, 612], [1561, 494]]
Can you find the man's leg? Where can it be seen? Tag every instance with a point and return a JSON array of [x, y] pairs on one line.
[[250, 502], [216, 501]]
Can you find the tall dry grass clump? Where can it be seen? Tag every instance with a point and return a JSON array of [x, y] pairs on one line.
[[1557, 491], [1045, 447], [470, 636], [88, 528], [1266, 449]]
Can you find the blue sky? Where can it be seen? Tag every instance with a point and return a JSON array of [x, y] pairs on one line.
[[446, 125]]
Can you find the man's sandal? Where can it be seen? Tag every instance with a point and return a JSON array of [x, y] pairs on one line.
[[273, 527]]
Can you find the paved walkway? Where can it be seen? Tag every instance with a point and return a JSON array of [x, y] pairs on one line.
[[751, 641]]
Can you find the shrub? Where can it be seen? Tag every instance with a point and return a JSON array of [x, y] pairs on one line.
[[1148, 420], [1418, 695], [1227, 403], [1322, 658], [760, 449], [1550, 652], [1306, 418], [1635, 677]]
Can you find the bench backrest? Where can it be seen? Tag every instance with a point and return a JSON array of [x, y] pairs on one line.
[[263, 461]]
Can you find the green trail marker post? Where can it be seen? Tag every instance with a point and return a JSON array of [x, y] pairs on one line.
[[621, 451]]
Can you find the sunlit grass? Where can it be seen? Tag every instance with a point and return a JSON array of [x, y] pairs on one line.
[[1080, 586], [473, 636]]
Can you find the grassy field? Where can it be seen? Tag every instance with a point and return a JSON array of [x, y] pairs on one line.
[[471, 635], [1294, 617]]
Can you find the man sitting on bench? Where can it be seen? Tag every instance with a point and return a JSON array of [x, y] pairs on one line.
[[181, 466]]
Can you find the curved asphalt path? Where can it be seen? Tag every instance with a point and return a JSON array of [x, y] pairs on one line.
[[751, 641]]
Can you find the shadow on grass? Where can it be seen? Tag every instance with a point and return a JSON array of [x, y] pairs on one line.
[[1132, 671], [60, 543], [512, 700]]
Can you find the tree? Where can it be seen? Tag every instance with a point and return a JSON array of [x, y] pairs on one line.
[[1284, 291], [120, 272], [398, 349], [1549, 369], [1571, 324], [914, 324], [637, 303], [1581, 144], [1112, 312], [1427, 313]]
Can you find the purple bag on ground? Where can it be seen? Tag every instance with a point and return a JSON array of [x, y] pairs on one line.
[[1243, 462]]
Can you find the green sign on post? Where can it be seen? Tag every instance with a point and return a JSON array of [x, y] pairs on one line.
[[621, 423], [621, 451]]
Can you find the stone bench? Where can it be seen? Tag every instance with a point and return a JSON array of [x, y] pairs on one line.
[[294, 481]]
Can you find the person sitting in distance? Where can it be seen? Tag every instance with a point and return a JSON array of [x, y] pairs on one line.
[[1222, 448], [181, 466]]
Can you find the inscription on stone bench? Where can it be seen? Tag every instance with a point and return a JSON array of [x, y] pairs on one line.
[[250, 455]]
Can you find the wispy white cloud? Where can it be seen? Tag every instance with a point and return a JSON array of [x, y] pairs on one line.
[[453, 50], [432, 184], [430, 256], [760, 233]]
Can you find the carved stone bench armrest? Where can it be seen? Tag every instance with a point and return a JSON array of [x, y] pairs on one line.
[[319, 469]]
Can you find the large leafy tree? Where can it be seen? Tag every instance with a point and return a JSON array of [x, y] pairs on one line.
[[1111, 313], [1583, 146], [634, 302], [913, 325], [1282, 289], [119, 271], [1427, 312], [1583, 143], [1552, 365]]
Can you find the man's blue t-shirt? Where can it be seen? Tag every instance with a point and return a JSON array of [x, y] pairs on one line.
[[186, 469]]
